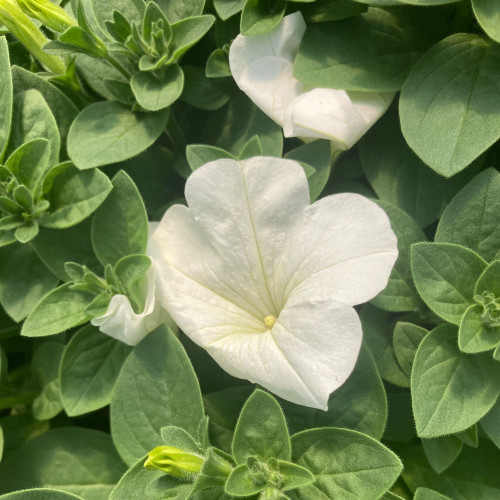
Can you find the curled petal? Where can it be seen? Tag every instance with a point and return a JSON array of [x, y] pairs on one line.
[[336, 115], [262, 66], [121, 322]]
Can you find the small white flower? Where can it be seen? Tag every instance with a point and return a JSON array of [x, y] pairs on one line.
[[265, 282], [262, 67]]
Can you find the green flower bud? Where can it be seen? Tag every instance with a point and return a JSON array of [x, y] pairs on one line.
[[48, 13], [174, 461], [490, 316], [21, 26]]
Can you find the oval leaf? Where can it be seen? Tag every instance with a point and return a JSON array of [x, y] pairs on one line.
[[108, 132]]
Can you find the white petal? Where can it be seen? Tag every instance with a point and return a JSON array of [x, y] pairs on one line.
[[246, 210], [193, 282], [310, 351], [335, 115], [122, 323], [262, 66], [344, 248]]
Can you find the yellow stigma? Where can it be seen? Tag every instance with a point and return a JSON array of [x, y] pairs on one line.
[[269, 321]]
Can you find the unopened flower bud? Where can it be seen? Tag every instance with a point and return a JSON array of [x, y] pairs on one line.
[[174, 461]]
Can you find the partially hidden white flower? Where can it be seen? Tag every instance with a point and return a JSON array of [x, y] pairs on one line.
[[265, 282], [121, 322], [262, 67]]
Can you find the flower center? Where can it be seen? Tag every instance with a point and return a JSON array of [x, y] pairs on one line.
[[270, 320]]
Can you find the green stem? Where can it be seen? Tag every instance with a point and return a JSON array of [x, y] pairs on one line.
[[111, 60]]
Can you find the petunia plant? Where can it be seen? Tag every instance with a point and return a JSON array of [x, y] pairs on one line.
[[249, 249]]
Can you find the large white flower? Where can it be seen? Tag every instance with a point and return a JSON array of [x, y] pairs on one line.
[[262, 67], [265, 282]]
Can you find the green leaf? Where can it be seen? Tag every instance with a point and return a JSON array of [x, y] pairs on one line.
[[175, 11], [470, 477], [156, 387], [133, 10], [469, 436], [27, 232], [187, 32], [108, 132], [40, 494], [223, 407], [449, 105], [154, 94], [225, 128], [227, 8], [321, 11], [73, 195], [24, 280], [373, 51], [441, 452], [30, 162], [398, 176], [120, 225], [474, 336], [344, 461], [251, 148], [241, 482], [491, 423], [315, 160], [450, 390], [261, 16], [59, 310], [55, 247], [33, 119], [400, 295], [6, 96], [471, 218], [139, 483], [377, 334], [179, 438], [62, 108], [359, 404], [488, 15], [199, 154], [218, 64], [73, 459], [445, 276], [427, 494], [89, 369], [406, 339], [203, 92], [261, 430], [45, 366]]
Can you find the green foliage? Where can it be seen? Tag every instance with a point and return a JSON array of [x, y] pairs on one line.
[[112, 133], [450, 132], [442, 402], [90, 366], [344, 461], [261, 431], [373, 51], [150, 394], [120, 226], [470, 218], [83, 462], [6, 96], [445, 275]]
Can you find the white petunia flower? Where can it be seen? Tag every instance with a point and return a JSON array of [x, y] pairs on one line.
[[262, 67], [265, 282], [121, 322]]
